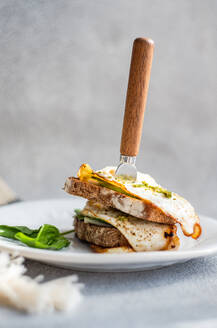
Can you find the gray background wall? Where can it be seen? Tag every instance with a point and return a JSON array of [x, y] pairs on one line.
[[63, 77]]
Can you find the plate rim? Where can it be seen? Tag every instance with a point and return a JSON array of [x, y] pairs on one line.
[[96, 259]]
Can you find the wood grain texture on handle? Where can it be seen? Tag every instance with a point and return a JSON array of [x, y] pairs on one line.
[[140, 70]]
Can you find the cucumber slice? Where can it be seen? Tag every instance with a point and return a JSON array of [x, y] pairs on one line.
[[96, 222], [87, 219], [79, 215]]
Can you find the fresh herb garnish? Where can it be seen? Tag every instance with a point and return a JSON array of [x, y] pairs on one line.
[[46, 237], [10, 232]]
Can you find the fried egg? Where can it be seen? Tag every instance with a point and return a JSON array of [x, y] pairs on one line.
[[148, 190], [142, 235]]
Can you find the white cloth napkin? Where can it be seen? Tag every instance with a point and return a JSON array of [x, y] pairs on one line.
[[6, 193], [31, 295]]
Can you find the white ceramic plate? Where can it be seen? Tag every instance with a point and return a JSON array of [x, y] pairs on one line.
[[79, 256]]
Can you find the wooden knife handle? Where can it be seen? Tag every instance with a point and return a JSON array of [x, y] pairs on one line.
[[137, 91]]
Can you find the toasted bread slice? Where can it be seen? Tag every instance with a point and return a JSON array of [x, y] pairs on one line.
[[178, 210], [100, 236], [111, 198]]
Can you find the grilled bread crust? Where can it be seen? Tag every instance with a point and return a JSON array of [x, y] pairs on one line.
[[142, 209], [100, 236]]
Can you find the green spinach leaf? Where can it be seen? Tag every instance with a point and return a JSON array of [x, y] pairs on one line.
[[10, 232], [46, 237]]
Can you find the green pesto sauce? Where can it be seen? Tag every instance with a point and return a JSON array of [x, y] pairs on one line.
[[165, 192], [122, 218], [124, 178]]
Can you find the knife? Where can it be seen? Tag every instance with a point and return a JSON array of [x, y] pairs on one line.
[[139, 76]]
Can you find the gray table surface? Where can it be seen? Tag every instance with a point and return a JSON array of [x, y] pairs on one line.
[[65, 63], [183, 295]]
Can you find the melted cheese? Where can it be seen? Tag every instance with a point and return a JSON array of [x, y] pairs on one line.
[[141, 235], [174, 206]]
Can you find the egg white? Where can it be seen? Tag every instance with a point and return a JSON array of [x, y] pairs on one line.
[[142, 235], [176, 206]]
